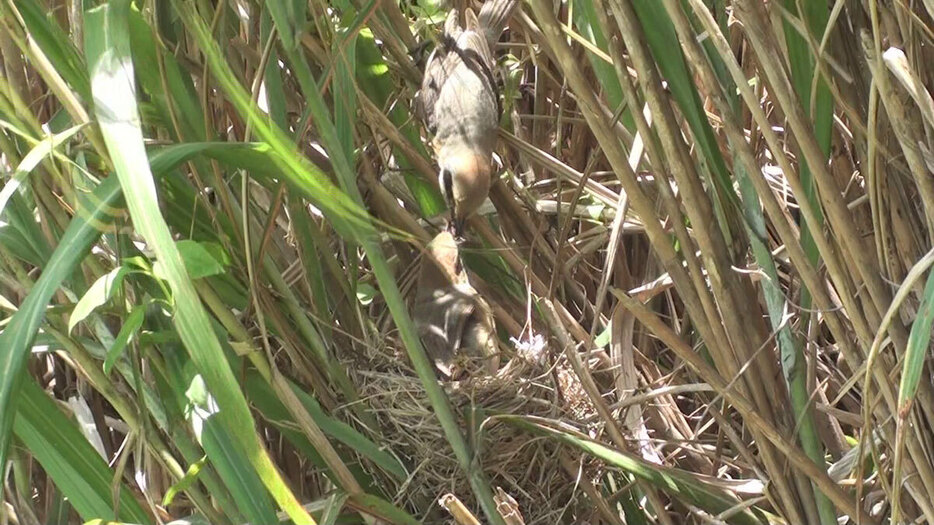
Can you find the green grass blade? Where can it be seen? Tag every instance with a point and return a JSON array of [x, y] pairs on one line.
[[343, 213], [660, 34], [14, 243], [346, 434], [344, 56], [684, 485], [21, 217], [177, 96], [245, 486], [65, 454], [918, 341], [19, 333], [913, 366], [801, 64], [191, 475], [94, 214], [32, 159], [374, 78], [586, 21], [379, 507], [107, 47], [132, 324], [54, 42], [97, 295]]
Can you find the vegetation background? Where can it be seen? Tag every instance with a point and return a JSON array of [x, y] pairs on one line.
[[708, 258]]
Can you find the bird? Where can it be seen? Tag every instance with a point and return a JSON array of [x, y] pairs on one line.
[[459, 105], [454, 323]]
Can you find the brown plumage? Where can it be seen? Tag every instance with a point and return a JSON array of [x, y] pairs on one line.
[[459, 103], [454, 323]]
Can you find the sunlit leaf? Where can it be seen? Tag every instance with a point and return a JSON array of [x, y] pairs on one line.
[[97, 295], [127, 332]]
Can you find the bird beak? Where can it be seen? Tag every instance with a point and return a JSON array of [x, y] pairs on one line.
[[458, 229]]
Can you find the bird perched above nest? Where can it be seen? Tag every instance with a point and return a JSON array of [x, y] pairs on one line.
[[459, 104]]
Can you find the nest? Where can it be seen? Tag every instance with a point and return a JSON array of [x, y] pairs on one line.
[[526, 467]]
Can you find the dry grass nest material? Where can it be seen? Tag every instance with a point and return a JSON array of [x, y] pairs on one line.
[[525, 466]]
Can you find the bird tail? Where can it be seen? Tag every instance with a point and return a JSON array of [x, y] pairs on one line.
[[493, 16]]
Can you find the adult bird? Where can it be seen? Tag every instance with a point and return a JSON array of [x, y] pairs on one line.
[[454, 323], [459, 103]]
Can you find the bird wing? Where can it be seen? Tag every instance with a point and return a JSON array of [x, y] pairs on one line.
[[437, 69], [440, 320], [434, 339], [493, 17], [475, 51], [479, 337], [436, 73], [457, 48], [460, 310]]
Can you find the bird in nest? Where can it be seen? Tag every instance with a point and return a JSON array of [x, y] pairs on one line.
[[454, 322]]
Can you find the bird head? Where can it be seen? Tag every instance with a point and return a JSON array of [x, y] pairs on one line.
[[444, 261], [464, 177]]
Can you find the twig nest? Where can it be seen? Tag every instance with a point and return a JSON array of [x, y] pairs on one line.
[[526, 467]]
